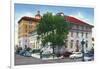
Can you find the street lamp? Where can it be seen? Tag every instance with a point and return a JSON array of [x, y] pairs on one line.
[[83, 42], [41, 51]]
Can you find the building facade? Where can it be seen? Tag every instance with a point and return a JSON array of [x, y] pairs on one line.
[[26, 25], [73, 42], [79, 30]]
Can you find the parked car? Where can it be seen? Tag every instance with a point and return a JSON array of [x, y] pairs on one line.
[[25, 53], [67, 54], [22, 52], [88, 57], [76, 55]]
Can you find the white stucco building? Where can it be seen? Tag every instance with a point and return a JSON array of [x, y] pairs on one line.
[[78, 31], [34, 43]]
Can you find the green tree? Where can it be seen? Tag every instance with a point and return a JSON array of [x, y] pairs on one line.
[[53, 29]]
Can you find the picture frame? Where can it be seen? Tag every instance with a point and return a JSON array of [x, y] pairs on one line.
[[13, 25]]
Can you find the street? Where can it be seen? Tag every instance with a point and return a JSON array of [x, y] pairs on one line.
[[21, 60]]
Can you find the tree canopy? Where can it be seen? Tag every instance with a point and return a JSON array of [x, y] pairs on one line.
[[53, 29]]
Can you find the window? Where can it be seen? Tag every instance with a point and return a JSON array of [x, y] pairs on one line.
[[25, 46], [77, 26], [33, 45], [19, 43], [82, 27], [86, 28], [71, 44], [30, 26], [25, 41], [66, 43], [77, 34], [77, 42], [25, 28], [86, 43], [71, 34], [82, 34], [86, 35], [30, 22], [77, 45]]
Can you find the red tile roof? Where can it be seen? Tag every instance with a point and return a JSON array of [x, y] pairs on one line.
[[76, 21], [67, 18], [28, 19]]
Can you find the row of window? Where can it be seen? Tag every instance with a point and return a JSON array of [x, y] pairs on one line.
[[25, 29], [81, 27], [77, 44], [77, 34], [34, 45]]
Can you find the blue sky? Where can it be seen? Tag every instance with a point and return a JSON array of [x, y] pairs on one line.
[[82, 13], [31, 9]]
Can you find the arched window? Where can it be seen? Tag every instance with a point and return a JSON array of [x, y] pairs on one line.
[[72, 34], [86, 35], [86, 43], [77, 34], [77, 45], [82, 34], [66, 43], [71, 44]]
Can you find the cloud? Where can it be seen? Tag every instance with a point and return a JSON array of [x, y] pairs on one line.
[[19, 15], [82, 17], [79, 15]]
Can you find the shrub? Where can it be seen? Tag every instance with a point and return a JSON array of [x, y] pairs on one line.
[[28, 49], [36, 51]]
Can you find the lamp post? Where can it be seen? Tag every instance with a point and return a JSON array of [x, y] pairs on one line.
[[83, 42], [41, 54], [41, 51]]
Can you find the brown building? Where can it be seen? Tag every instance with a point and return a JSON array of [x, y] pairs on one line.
[[26, 25]]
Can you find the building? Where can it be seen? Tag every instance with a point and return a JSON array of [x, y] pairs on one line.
[[34, 43], [26, 25], [78, 31]]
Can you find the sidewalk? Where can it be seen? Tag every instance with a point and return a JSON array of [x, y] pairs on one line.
[[36, 55], [44, 58]]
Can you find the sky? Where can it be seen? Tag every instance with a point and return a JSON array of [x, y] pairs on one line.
[[82, 13]]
